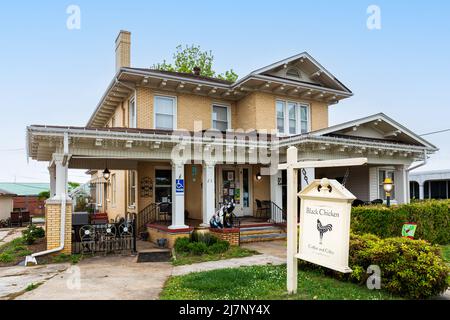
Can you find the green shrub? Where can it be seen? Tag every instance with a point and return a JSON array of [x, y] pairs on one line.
[[432, 218], [204, 237], [409, 268], [200, 243], [6, 257], [182, 244], [32, 233], [197, 248], [219, 247]]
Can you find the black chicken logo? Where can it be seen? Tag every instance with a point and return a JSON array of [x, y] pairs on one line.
[[323, 229]]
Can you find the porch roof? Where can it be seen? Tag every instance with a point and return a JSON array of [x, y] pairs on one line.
[[126, 143]]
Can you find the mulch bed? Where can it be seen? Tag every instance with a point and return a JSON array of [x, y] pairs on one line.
[[39, 245]]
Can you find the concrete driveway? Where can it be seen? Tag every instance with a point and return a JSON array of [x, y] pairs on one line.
[[104, 278]]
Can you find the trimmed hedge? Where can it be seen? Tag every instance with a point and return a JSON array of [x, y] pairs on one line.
[[409, 268], [432, 218]]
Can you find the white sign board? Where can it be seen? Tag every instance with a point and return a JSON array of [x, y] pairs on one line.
[[325, 224]]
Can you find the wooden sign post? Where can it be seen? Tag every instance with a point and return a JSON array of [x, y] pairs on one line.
[[317, 231]]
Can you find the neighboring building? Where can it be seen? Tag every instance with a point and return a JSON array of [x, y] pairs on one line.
[[144, 114], [6, 204], [430, 185], [27, 196]]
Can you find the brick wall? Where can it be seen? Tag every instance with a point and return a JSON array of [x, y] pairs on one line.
[[53, 225], [231, 235]]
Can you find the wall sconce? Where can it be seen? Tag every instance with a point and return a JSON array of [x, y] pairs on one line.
[[258, 176]]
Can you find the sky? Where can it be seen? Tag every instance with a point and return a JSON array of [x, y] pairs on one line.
[[55, 75]]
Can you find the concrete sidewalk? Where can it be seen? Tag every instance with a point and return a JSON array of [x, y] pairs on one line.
[[105, 278], [272, 252]]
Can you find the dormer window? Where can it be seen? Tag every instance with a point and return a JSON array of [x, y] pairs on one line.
[[293, 73]]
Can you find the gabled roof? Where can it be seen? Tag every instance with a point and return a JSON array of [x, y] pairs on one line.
[[318, 84], [24, 189], [376, 127], [311, 64]]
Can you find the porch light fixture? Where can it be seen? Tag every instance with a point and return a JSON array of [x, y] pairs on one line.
[[258, 176], [106, 174], [387, 186]]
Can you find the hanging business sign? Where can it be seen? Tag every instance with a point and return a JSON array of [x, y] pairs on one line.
[[325, 224]]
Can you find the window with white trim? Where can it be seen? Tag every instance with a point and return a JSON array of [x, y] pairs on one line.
[[221, 117], [165, 111], [99, 195], [132, 181], [292, 117], [383, 174], [132, 113]]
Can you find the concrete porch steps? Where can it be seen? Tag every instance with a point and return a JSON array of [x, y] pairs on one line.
[[261, 233]]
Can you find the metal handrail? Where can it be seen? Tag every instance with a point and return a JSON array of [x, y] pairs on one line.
[[278, 215], [147, 215]]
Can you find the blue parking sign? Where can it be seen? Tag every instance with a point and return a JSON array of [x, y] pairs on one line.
[[179, 189]]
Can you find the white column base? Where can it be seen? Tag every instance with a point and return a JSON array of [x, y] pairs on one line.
[[176, 227]]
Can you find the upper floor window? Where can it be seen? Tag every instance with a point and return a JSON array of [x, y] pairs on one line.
[[165, 112], [132, 113], [221, 117], [292, 117]]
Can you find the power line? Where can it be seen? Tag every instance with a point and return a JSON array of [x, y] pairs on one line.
[[434, 132]]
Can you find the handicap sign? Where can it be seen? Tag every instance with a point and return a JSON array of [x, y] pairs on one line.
[[179, 186], [408, 230]]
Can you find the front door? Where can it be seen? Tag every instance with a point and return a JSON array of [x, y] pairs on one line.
[[235, 184], [246, 182]]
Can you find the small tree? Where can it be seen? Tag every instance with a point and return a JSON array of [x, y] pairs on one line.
[[189, 57], [44, 195]]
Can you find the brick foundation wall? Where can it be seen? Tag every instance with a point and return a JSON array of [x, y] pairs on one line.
[[231, 235], [53, 225]]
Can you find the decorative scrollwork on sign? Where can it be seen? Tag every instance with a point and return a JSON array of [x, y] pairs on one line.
[[146, 187]]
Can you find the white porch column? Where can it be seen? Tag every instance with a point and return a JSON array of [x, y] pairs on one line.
[[52, 172], [61, 170], [276, 189], [401, 185], [310, 174], [421, 191], [208, 192], [177, 196]]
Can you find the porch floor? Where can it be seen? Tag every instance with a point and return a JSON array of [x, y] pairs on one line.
[[245, 222]]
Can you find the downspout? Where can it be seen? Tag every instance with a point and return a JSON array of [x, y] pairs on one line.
[[31, 260]]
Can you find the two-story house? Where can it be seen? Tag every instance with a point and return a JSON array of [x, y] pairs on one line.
[[146, 115]]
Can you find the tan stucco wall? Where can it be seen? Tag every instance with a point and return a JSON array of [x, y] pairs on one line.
[[119, 208], [6, 207], [261, 188]]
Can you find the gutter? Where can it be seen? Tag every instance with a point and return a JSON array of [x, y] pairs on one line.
[[31, 260], [424, 162]]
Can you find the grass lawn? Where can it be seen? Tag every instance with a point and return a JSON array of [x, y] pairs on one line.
[[263, 283], [233, 252]]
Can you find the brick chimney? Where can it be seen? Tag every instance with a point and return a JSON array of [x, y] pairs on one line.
[[123, 50]]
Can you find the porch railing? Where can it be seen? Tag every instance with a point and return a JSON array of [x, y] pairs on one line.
[[277, 215], [147, 215]]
